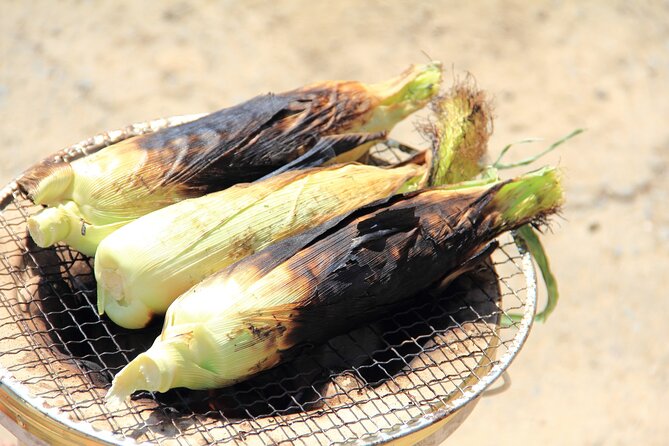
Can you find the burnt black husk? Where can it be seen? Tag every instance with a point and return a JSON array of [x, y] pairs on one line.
[[245, 142], [371, 261], [250, 140]]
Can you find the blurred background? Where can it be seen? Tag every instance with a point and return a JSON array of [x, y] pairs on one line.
[[597, 373]]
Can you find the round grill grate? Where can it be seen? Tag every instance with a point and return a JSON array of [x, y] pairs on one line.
[[377, 383]]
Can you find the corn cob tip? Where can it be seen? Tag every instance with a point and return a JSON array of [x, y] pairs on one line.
[[49, 226], [131, 314], [167, 364], [112, 292], [63, 223], [142, 373]]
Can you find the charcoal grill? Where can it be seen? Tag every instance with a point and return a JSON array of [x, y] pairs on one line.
[[414, 374]]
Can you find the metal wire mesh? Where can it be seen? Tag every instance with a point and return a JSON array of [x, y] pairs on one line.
[[375, 382]]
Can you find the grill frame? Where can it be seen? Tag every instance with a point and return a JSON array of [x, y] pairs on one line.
[[30, 420]]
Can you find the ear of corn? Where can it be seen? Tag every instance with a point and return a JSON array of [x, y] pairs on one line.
[[239, 144], [141, 268], [252, 315]]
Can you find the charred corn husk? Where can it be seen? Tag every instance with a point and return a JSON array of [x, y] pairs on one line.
[[141, 268], [252, 315], [95, 195]]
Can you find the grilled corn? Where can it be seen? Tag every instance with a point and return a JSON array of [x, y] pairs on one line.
[[93, 196], [253, 315]]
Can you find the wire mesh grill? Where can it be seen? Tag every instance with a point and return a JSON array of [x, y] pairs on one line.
[[372, 383]]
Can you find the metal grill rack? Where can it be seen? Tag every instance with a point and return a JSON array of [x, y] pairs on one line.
[[390, 380]]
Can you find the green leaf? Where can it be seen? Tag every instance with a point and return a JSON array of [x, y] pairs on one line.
[[533, 245], [499, 165]]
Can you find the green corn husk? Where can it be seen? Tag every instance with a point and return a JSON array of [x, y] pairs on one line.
[[93, 196], [141, 268], [256, 313], [459, 133]]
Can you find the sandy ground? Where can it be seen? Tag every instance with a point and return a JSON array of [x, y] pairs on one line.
[[598, 372]]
